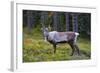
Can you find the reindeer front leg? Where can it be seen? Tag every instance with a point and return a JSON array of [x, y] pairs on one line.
[[54, 46]]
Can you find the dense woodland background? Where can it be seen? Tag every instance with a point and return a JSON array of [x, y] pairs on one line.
[[35, 49], [59, 21]]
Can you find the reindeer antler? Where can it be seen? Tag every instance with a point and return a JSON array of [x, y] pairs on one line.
[[43, 25]]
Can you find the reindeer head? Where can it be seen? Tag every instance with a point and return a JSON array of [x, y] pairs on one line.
[[45, 32]]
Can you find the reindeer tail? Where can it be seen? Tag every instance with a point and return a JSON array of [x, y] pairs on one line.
[[76, 33]]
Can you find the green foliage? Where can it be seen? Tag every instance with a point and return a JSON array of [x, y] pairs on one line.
[[35, 49], [86, 47], [84, 22], [62, 25]]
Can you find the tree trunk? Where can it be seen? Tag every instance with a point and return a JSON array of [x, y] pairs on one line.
[[55, 21], [30, 19], [75, 22], [67, 21], [44, 18]]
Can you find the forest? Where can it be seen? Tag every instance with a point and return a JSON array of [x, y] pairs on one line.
[[35, 49]]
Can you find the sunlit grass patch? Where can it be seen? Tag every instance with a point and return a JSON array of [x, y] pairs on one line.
[[35, 49], [85, 46]]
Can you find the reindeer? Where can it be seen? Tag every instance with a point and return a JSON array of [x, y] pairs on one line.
[[55, 38]]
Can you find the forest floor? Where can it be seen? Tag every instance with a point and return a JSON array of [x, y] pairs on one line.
[[35, 49]]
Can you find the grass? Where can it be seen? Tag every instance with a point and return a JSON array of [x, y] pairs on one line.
[[35, 49]]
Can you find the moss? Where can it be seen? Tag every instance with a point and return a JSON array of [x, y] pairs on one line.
[[35, 49]]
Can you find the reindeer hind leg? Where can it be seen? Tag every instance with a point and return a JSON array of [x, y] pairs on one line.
[[77, 49], [73, 49]]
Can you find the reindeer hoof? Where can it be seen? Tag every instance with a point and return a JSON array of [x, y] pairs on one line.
[[79, 54]]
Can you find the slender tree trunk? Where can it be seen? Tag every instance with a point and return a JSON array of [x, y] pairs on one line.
[[42, 19], [55, 21], [60, 27], [75, 22], [30, 20], [67, 21]]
